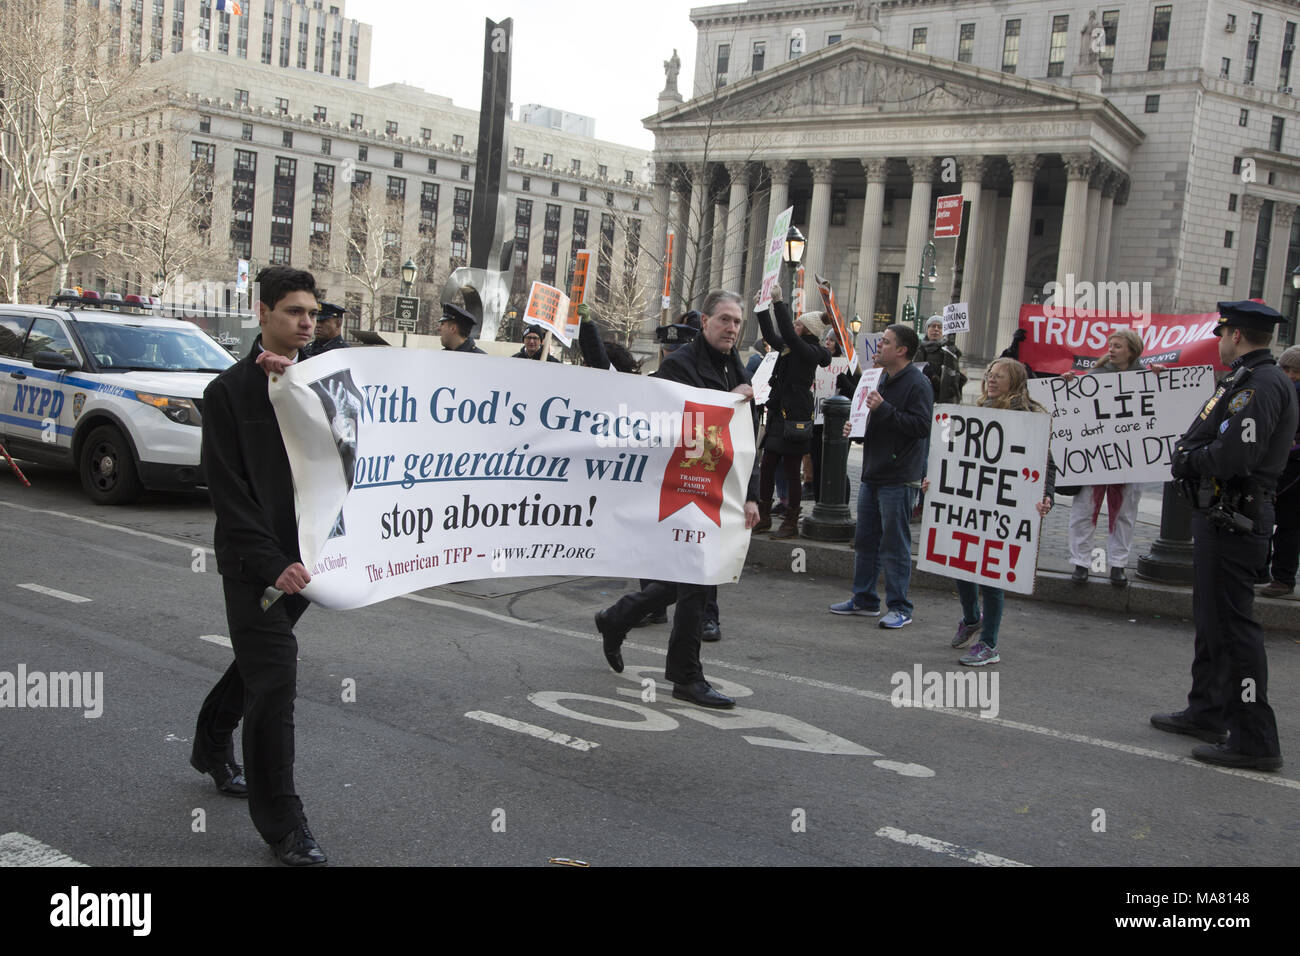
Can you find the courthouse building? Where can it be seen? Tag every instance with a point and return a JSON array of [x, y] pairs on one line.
[[1131, 142]]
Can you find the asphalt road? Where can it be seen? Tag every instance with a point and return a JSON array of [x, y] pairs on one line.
[[477, 724]]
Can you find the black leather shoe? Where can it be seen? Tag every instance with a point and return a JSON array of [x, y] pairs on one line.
[[1223, 756], [1179, 724], [298, 848], [701, 693], [1118, 577], [612, 640], [709, 631], [1080, 574], [225, 773]]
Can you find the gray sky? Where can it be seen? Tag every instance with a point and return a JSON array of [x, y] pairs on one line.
[[601, 58]]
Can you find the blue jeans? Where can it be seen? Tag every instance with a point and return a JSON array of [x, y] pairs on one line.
[[883, 541], [970, 592]]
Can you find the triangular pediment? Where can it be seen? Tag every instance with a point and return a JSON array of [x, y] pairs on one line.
[[860, 76]]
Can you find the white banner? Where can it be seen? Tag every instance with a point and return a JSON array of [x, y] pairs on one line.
[[824, 384], [772, 258], [987, 471], [414, 468], [859, 413], [956, 318], [1121, 428]]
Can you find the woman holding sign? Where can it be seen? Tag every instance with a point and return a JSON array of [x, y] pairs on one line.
[[1123, 348], [790, 406], [1006, 385]]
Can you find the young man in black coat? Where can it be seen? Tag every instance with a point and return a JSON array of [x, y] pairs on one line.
[[256, 544]]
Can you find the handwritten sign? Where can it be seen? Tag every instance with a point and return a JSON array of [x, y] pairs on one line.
[[987, 470], [772, 260], [761, 383], [859, 413], [1120, 428], [824, 384], [833, 310], [956, 318], [549, 308], [578, 292]]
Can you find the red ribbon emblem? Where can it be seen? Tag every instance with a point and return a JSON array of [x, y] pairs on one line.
[[699, 463]]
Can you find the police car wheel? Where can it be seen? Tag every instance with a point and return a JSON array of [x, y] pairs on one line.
[[108, 473]]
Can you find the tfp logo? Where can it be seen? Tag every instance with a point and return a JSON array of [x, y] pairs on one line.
[[34, 400]]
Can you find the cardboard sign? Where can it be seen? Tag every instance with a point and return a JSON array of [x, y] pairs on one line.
[[549, 308], [1120, 428], [987, 471], [761, 383], [578, 293], [859, 413], [833, 310], [796, 299], [1056, 342], [772, 260], [947, 217], [824, 384], [956, 318], [868, 343]]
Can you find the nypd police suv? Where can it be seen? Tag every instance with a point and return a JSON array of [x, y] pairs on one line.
[[114, 393]]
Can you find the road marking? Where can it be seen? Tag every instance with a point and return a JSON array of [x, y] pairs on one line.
[[1186, 761], [18, 849], [978, 857], [53, 592], [219, 639], [532, 730]]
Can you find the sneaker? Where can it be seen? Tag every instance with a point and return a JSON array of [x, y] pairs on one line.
[[1275, 589], [979, 655], [896, 619], [966, 631], [848, 607]]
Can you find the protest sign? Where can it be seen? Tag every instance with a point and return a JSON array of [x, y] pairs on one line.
[[833, 310], [824, 384], [414, 468], [772, 260], [987, 471], [578, 291], [761, 383], [1120, 428], [956, 318], [797, 302], [549, 308], [859, 413], [1056, 342], [665, 296], [868, 343]]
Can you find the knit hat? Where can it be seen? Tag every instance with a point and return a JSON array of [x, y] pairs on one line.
[[934, 320], [816, 322]]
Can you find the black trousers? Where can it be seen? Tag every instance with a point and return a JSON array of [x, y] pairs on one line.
[[260, 687], [693, 602], [1229, 668], [1286, 539]]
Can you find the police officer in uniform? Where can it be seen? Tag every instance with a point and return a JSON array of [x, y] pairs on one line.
[[329, 328], [1229, 463], [455, 328]]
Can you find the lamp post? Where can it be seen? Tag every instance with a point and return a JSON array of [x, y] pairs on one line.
[[792, 254], [922, 276], [408, 279]]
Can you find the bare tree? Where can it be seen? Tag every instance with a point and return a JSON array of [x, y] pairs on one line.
[[372, 243]]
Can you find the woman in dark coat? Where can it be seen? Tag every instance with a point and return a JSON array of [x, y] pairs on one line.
[[800, 353]]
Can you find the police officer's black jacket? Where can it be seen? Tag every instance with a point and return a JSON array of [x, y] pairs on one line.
[[1246, 428], [318, 347], [698, 363], [248, 475], [469, 346]]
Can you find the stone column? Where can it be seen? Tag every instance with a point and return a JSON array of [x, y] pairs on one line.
[[876, 170], [1250, 206], [819, 221], [1024, 166], [984, 303], [758, 230], [972, 189], [918, 228], [1105, 213], [1074, 226], [682, 185], [694, 266], [1276, 274], [1093, 216], [717, 245], [658, 244], [737, 213]]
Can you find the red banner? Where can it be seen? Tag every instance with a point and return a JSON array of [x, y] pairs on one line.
[[1076, 338], [699, 463]]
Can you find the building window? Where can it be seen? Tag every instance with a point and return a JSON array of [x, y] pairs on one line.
[[1110, 26], [1225, 67], [1252, 47], [458, 141], [356, 121], [464, 172], [325, 145], [284, 187], [243, 186], [1056, 50], [602, 171], [918, 39], [966, 43], [390, 128], [1263, 233], [460, 212], [1153, 104], [724, 57], [286, 138], [605, 255], [246, 132], [363, 154], [1243, 117], [575, 166], [1288, 49], [519, 154], [550, 243], [433, 165], [318, 114], [241, 99], [398, 158], [579, 237], [523, 230], [205, 124], [396, 189], [1011, 46], [627, 176], [760, 52], [582, 194], [178, 28], [1275, 134], [527, 185], [636, 204], [1223, 275], [286, 24], [1236, 165], [282, 106], [318, 59], [833, 38], [1232, 202], [555, 189], [547, 160], [203, 160], [302, 44], [1159, 37], [1227, 239], [609, 199], [426, 134]]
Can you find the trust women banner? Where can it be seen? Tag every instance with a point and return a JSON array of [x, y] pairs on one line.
[[417, 468]]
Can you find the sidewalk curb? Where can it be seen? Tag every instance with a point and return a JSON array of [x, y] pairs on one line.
[[1140, 597]]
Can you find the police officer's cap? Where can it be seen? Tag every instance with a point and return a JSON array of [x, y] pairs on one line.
[[328, 310], [454, 313], [692, 319], [1247, 314], [675, 336]]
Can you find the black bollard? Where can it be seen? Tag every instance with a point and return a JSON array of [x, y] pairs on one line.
[[1170, 560], [831, 519]]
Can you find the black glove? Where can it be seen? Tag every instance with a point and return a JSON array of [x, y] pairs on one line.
[[1181, 466]]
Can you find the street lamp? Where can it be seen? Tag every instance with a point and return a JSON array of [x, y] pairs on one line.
[[1295, 278], [794, 247], [408, 276], [922, 276], [856, 326]]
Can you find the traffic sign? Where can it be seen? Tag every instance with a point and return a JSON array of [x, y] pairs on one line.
[[407, 312], [947, 217]]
